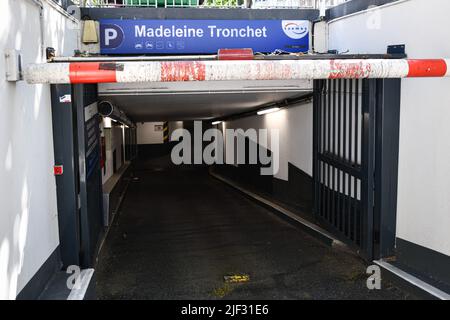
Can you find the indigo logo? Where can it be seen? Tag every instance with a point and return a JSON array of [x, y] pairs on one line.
[[295, 29]]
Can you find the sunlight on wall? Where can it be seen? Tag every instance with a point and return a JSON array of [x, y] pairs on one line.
[[28, 219], [37, 97], [5, 293], [9, 158], [19, 241], [21, 224], [6, 19]]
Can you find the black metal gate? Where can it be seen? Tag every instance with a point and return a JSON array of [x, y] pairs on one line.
[[344, 134]]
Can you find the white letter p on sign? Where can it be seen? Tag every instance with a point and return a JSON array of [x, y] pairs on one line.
[[110, 34]]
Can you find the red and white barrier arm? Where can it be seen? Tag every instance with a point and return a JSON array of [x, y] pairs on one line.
[[170, 71]]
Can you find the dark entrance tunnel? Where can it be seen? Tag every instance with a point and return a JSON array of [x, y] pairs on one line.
[[180, 232]]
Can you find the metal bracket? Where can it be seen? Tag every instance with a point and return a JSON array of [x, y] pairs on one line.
[[13, 65]]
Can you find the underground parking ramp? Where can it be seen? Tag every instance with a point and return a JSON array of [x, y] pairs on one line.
[[180, 232]]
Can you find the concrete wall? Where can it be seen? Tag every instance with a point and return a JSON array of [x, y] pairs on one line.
[[28, 212], [424, 167], [295, 132], [146, 133]]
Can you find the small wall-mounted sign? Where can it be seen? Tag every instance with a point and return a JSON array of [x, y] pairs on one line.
[[13, 65], [58, 170], [65, 98]]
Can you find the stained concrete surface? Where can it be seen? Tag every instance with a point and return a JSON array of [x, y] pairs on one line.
[[180, 232]]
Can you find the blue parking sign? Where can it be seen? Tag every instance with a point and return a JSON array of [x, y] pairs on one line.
[[202, 36]]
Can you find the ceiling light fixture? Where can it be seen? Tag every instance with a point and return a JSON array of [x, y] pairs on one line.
[[266, 111]]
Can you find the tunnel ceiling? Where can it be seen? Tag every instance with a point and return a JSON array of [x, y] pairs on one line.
[[198, 100]]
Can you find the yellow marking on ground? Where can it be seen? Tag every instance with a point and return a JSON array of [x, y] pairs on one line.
[[222, 291], [230, 283], [237, 278]]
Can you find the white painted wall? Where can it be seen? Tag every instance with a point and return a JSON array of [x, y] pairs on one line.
[[28, 212], [114, 141], [295, 131], [146, 133], [423, 214]]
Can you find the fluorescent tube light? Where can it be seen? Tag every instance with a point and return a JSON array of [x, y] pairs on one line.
[[266, 111]]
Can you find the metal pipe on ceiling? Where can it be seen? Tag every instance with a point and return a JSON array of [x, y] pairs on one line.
[[108, 109]]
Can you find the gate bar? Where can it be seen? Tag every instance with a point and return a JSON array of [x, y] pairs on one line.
[[175, 71]]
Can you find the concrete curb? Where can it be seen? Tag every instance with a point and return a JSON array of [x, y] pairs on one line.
[[407, 279], [84, 290]]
